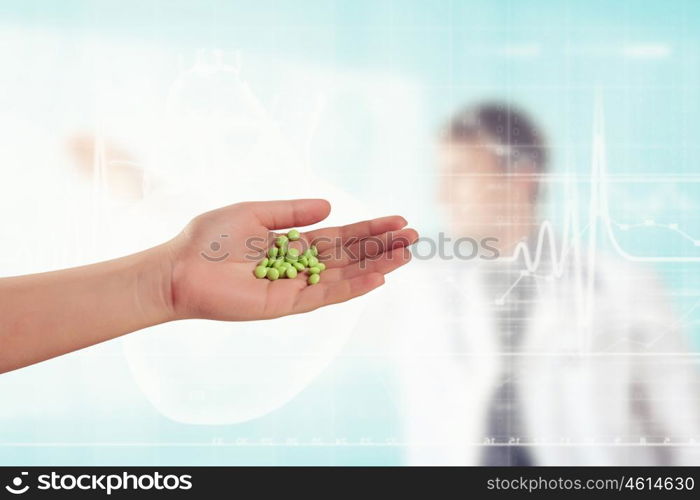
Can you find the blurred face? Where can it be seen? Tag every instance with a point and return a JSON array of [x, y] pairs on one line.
[[480, 197]]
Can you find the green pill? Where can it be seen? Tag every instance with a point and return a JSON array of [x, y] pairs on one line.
[[284, 262]]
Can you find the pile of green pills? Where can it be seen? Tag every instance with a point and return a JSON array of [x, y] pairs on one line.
[[284, 262]]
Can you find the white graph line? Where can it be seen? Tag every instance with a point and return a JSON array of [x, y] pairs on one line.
[[598, 215]]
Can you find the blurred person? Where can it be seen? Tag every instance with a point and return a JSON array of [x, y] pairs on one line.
[[531, 358]]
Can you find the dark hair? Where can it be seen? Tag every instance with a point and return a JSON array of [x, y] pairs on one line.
[[508, 130]]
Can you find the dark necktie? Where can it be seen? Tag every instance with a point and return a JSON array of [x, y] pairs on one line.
[[504, 414]]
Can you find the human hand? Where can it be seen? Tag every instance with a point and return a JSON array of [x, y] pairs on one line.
[[213, 259]]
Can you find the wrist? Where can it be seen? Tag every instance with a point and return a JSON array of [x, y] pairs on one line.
[[154, 284]]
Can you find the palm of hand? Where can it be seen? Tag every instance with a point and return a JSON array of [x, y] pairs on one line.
[[214, 258]]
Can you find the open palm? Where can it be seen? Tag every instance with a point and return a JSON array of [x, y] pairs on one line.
[[214, 257]]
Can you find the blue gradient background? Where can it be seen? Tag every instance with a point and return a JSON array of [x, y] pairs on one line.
[[553, 58]]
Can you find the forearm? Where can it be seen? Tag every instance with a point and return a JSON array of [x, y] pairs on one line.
[[45, 315]]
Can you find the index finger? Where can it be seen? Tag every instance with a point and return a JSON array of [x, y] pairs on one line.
[[331, 237]]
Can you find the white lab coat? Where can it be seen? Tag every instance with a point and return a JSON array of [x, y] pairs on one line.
[[580, 399]]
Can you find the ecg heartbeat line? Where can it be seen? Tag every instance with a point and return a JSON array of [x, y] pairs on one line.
[[599, 219], [568, 253]]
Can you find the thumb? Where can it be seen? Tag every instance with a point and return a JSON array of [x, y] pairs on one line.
[[283, 214]]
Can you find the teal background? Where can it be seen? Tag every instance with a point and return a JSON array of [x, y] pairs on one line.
[[554, 58]]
